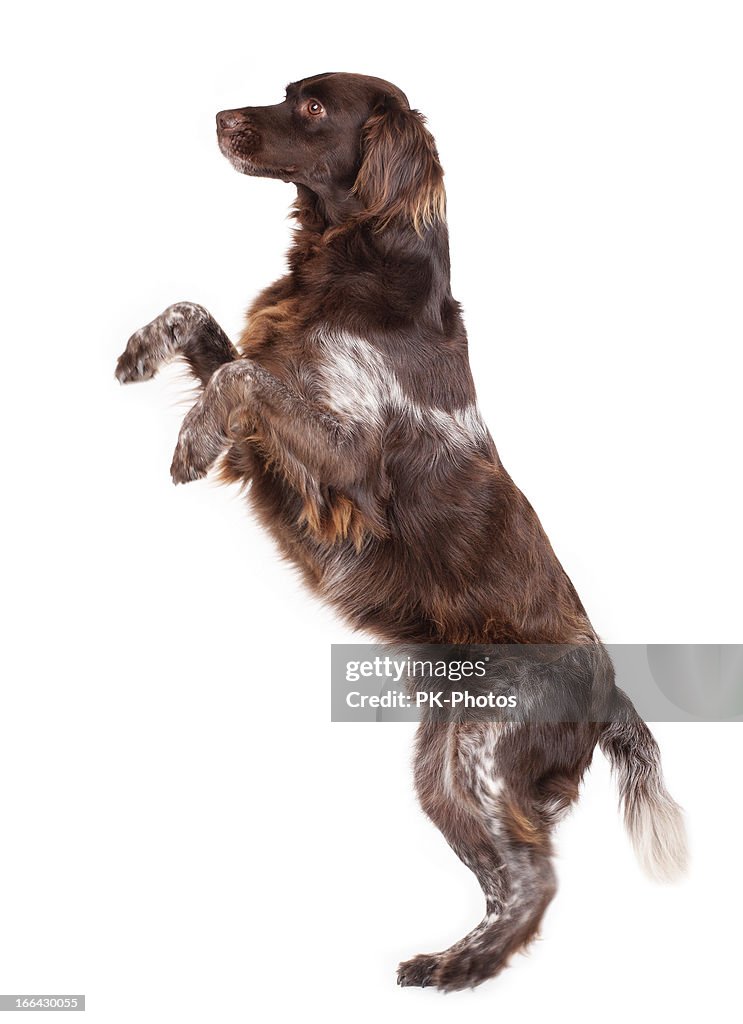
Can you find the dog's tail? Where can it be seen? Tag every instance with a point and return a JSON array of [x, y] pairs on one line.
[[653, 819]]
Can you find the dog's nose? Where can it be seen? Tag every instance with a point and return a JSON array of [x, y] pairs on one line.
[[227, 119]]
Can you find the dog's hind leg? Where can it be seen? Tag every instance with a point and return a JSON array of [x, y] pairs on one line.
[[502, 842], [184, 329]]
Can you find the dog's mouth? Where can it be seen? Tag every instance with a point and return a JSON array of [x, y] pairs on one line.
[[238, 145]]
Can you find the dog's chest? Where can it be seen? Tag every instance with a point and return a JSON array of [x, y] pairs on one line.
[[357, 381], [354, 379]]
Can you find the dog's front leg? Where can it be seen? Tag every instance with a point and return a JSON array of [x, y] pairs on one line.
[[184, 329], [244, 393]]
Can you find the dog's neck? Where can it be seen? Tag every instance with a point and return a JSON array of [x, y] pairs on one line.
[[421, 258], [330, 208], [336, 207]]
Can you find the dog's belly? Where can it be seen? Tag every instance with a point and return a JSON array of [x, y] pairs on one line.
[[419, 588]]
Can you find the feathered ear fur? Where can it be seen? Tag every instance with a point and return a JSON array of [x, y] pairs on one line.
[[400, 174]]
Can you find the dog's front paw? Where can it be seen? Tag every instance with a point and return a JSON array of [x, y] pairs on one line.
[[185, 468], [158, 341], [192, 457], [200, 443], [147, 349]]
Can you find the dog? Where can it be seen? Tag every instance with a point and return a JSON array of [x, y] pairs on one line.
[[348, 410]]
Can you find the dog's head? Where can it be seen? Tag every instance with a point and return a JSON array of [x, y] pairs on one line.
[[343, 135]]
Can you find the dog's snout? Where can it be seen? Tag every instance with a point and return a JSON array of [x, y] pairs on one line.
[[229, 119]]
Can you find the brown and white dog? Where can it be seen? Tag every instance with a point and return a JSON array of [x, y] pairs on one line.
[[348, 406]]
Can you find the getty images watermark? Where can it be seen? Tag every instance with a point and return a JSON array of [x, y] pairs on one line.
[[519, 683], [404, 669]]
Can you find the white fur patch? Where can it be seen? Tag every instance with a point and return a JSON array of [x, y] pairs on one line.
[[357, 383]]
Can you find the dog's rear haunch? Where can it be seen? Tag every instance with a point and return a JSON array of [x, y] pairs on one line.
[[348, 407]]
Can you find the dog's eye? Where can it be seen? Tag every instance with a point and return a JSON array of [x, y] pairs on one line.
[[314, 108]]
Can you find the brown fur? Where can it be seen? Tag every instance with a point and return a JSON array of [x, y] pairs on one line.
[[348, 412], [400, 175]]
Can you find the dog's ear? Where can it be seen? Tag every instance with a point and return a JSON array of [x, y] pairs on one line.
[[400, 173]]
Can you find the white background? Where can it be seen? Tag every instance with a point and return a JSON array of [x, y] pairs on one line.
[[183, 835]]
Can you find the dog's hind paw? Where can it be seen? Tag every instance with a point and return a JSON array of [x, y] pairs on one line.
[[419, 972]]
